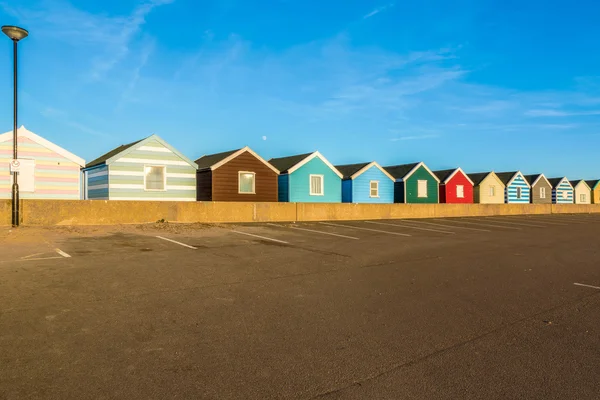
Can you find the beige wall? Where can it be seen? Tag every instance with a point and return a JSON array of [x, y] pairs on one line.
[[482, 195], [580, 189], [100, 212]]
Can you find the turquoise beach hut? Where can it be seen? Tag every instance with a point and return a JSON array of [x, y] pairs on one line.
[[308, 178]]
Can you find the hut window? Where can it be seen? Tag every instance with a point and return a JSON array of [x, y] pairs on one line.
[[519, 192], [422, 188], [582, 198], [316, 185], [563, 194], [492, 191], [374, 188], [246, 182], [460, 191], [542, 193], [155, 177]]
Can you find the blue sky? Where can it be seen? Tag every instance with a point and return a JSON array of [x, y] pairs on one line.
[[480, 84]]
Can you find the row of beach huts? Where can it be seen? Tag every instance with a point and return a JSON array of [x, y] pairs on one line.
[[151, 169]]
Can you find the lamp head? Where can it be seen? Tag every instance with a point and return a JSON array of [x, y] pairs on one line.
[[14, 32]]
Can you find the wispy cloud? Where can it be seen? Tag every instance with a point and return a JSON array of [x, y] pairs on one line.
[[107, 38], [378, 10], [560, 113], [414, 137]]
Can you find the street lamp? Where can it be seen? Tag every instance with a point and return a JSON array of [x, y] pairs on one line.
[[15, 34]]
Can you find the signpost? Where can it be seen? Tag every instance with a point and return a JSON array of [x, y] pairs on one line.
[[15, 166]]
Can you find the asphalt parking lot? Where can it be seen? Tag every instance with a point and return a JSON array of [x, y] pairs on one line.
[[461, 308]]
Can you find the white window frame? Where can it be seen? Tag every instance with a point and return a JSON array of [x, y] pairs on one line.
[[492, 191], [519, 192], [371, 189], [462, 191], [564, 195], [164, 167], [240, 182], [310, 187], [542, 192], [418, 192]]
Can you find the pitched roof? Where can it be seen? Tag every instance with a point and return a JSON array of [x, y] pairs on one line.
[[350, 169], [24, 132], [209, 160], [577, 182], [555, 181], [592, 183], [444, 174], [102, 159], [400, 171], [283, 164], [531, 178], [478, 177], [505, 177]]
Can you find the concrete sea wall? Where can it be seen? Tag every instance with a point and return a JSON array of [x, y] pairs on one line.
[[100, 212]]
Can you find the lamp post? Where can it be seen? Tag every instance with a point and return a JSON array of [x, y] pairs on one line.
[[15, 34]]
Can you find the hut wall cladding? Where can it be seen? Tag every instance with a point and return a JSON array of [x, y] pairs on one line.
[[204, 185], [225, 180], [512, 189], [97, 183], [563, 194], [126, 175], [536, 193], [54, 177]]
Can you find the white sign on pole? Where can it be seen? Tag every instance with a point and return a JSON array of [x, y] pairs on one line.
[[15, 166]]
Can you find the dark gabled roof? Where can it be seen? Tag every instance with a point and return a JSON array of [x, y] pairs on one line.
[[350, 169], [102, 159], [531, 178], [444, 174], [592, 183], [575, 182], [555, 181], [400, 171], [283, 164], [209, 160], [505, 177], [477, 177]]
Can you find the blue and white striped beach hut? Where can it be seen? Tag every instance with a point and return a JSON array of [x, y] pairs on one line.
[[517, 188], [562, 191]]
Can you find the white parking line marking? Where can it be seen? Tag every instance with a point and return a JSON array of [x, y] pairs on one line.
[[496, 221], [176, 242], [536, 220], [315, 231], [584, 285], [366, 229], [260, 237], [410, 227], [479, 224], [62, 253], [447, 226]]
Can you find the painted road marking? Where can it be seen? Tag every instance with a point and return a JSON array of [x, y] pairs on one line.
[[366, 229], [508, 223], [62, 253], [584, 285], [410, 227], [315, 231], [447, 226], [536, 219], [260, 237], [479, 224], [176, 242]]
